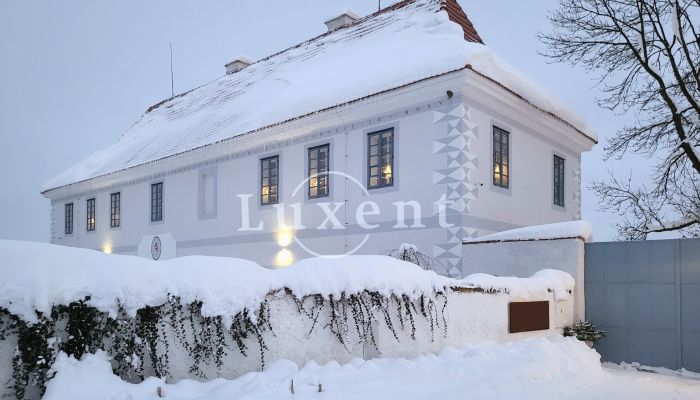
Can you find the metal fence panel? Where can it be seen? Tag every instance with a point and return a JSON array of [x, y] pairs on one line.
[[646, 295]]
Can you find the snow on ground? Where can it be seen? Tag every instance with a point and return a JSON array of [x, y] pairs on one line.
[[560, 230], [543, 368]]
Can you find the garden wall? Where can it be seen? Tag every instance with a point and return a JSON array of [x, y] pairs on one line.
[[457, 317]]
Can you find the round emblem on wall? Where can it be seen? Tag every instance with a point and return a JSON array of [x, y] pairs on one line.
[[155, 248]]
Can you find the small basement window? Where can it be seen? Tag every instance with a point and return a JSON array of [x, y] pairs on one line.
[[501, 162], [380, 159]]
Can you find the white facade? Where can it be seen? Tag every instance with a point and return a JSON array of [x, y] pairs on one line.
[[443, 149]]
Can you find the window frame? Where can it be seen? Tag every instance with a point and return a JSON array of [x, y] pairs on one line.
[[559, 181], [381, 167], [325, 174], [68, 223], [201, 197], [261, 169], [115, 210], [498, 155], [90, 211], [156, 209]]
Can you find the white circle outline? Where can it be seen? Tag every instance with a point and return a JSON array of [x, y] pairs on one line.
[[362, 242]]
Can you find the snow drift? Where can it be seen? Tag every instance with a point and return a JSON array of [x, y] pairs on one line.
[[38, 276]]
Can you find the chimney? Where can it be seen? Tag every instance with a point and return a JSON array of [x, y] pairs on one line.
[[236, 65], [346, 18]]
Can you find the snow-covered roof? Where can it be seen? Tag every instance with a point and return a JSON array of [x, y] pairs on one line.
[[407, 42], [559, 230]]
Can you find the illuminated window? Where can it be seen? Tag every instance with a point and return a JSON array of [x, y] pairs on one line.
[[559, 181], [157, 202], [68, 219], [318, 171], [501, 163], [380, 159], [115, 210], [269, 180], [90, 222]]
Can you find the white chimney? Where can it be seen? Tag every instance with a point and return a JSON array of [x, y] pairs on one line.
[[346, 18], [236, 65]]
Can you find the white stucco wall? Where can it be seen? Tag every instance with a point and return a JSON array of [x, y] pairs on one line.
[[412, 112], [524, 258], [471, 317]]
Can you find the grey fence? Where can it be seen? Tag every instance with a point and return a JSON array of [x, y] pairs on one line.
[[646, 295]]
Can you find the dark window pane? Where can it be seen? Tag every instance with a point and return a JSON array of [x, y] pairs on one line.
[[318, 171], [269, 170], [558, 183], [90, 214], [380, 159], [500, 157], [157, 202], [68, 219]]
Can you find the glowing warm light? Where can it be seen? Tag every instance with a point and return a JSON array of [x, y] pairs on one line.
[[284, 237], [284, 258], [107, 248], [387, 171]]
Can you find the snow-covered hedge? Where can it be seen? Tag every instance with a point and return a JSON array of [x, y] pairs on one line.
[[207, 317]]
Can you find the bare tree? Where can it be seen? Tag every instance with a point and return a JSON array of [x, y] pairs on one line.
[[646, 54]]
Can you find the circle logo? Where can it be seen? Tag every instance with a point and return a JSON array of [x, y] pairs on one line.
[[155, 248]]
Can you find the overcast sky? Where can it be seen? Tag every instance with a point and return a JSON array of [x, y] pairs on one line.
[[75, 74]]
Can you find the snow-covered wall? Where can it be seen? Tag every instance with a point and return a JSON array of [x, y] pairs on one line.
[[316, 309], [522, 252]]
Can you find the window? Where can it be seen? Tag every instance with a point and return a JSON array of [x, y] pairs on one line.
[[115, 208], [269, 180], [380, 159], [500, 157], [157, 202], [68, 219], [90, 223], [207, 193], [559, 181], [318, 171]]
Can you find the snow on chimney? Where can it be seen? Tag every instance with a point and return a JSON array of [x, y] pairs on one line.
[[236, 65], [346, 18]]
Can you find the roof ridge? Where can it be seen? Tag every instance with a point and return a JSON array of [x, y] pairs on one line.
[[454, 11]]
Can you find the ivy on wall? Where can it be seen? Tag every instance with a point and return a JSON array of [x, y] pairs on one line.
[[139, 345]]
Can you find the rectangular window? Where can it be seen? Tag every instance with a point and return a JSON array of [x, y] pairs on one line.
[[157, 202], [380, 159], [318, 171], [90, 222], [68, 219], [559, 181], [207, 194], [501, 162], [269, 180], [115, 210]]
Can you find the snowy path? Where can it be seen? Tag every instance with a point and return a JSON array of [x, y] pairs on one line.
[[553, 368]]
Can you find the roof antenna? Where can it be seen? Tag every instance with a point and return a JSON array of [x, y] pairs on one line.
[[379, 5], [172, 82]]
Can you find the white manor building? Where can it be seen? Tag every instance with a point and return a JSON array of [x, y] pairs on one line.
[[400, 126]]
